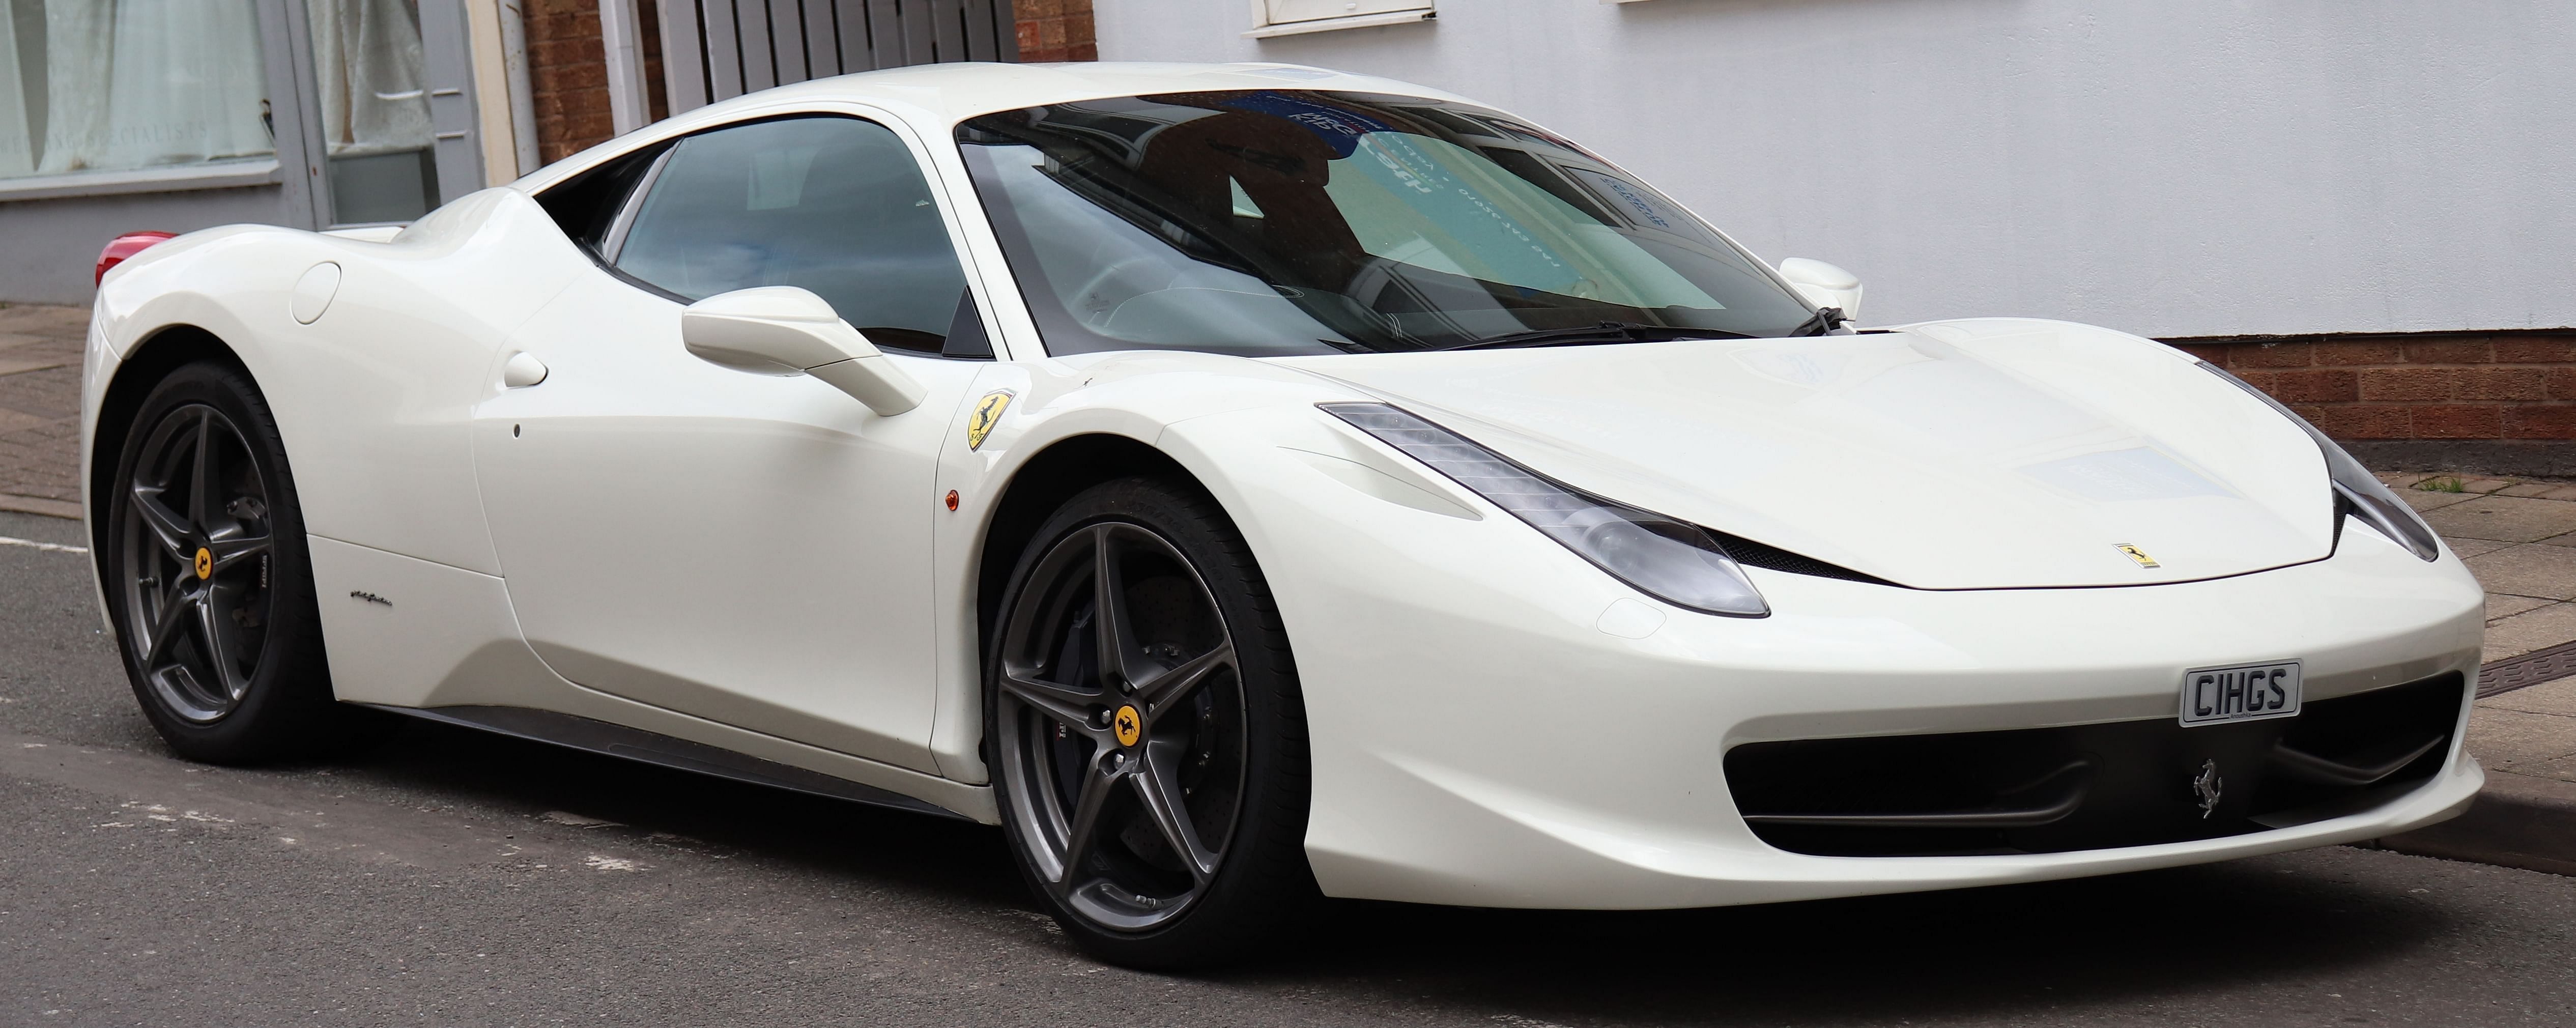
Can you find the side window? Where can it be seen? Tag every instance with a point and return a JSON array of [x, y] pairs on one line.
[[834, 205], [586, 206]]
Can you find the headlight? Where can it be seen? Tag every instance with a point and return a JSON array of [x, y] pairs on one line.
[[2361, 493], [1670, 560]]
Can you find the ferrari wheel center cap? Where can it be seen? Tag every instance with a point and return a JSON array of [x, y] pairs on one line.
[[205, 563], [1128, 724]]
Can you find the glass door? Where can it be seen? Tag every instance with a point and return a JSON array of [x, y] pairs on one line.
[[396, 123]]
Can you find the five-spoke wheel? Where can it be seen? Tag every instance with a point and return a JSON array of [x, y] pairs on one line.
[[1139, 735], [208, 579], [196, 553], [1122, 724]]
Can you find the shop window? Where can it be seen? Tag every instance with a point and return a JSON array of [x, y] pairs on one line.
[[371, 76], [1287, 17], [123, 85]]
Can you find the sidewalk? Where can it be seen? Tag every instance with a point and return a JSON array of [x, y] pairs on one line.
[[2519, 537], [40, 354]]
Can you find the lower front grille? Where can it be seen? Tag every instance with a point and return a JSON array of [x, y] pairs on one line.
[[2127, 783]]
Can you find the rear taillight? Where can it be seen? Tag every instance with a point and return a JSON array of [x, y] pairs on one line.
[[124, 246]]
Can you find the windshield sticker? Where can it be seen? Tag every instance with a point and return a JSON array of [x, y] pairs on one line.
[[1536, 134], [1338, 128], [1641, 205]]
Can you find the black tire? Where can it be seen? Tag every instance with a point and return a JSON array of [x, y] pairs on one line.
[[238, 675], [1242, 719]]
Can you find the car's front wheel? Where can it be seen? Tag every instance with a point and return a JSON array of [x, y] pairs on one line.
[[208, 581], [1148, 737]]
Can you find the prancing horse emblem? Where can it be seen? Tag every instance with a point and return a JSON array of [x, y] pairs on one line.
[[988, 412], [2207, 786]]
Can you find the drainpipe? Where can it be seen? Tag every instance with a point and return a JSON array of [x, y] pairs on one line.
[[523, 97]]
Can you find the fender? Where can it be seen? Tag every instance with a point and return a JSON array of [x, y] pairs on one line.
[[373, 397], [1130, 395]]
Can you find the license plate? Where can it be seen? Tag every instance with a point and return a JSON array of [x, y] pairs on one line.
[[2244, 692]]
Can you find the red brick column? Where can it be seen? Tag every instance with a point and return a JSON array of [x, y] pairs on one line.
[[1054, 30], [2480, 401], [567, 76]]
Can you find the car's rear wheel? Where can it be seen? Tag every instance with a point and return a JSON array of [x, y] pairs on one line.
[[1147, 735], [208, 580]]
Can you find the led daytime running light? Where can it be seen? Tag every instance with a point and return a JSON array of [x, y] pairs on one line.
[[1673, 561]]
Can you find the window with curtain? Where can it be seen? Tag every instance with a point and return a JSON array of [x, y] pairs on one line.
[[120, 85], [371, 75]]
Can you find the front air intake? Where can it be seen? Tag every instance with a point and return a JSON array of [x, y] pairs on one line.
[[2083, 787]]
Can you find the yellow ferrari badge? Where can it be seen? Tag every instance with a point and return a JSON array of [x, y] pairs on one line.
[[205, 563], [1129, 725], [2138, 555], [988, 412]]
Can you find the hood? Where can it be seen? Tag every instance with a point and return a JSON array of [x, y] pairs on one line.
[[1954, 455]]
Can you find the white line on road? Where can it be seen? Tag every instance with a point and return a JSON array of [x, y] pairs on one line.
[[6, 540]]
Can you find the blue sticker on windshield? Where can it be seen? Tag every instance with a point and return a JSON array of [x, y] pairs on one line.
[[1640, 205], [1338, 128]]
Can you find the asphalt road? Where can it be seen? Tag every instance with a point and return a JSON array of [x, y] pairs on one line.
[[451, 878]]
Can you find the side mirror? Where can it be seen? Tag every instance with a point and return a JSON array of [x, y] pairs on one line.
[[783, 330], [1824, 284]]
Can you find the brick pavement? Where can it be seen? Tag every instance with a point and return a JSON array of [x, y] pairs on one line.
[[2519, 538], [40, 353]]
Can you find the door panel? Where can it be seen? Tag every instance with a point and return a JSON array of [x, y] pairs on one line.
[[748, 549]]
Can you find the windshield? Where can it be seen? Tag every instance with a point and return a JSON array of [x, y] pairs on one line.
[[1276, 222]]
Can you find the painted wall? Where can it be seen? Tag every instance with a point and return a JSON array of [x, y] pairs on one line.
[[49, 248], [2168, 167]]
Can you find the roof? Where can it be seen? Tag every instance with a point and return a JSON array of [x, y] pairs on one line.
[[934, 97]]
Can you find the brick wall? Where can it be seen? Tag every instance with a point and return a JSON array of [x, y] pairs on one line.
[[568, 73], [1054, 30], [567, 76], [2500, 403]]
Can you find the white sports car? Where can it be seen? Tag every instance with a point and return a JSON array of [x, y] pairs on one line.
[[1248, 482]]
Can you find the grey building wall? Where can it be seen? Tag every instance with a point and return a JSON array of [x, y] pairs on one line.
[[49, 242], [2175, 168], [49, 248]]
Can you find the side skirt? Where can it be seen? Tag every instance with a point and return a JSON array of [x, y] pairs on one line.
[[593, 736]]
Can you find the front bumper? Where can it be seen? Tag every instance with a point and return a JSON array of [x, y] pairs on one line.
[[1496, 723]]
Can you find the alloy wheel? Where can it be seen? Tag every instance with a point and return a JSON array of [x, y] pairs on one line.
[[196, 546], [1122, 728]]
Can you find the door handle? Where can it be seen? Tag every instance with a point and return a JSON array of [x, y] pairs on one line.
[[522, 370]]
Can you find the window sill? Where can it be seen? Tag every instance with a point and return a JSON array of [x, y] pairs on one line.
[[213, 175], [1358, 21]]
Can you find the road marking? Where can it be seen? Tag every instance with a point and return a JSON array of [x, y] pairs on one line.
[[31, 544]]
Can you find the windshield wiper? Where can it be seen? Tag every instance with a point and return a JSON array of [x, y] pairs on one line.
[[1605, 332], [1823, 322]]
